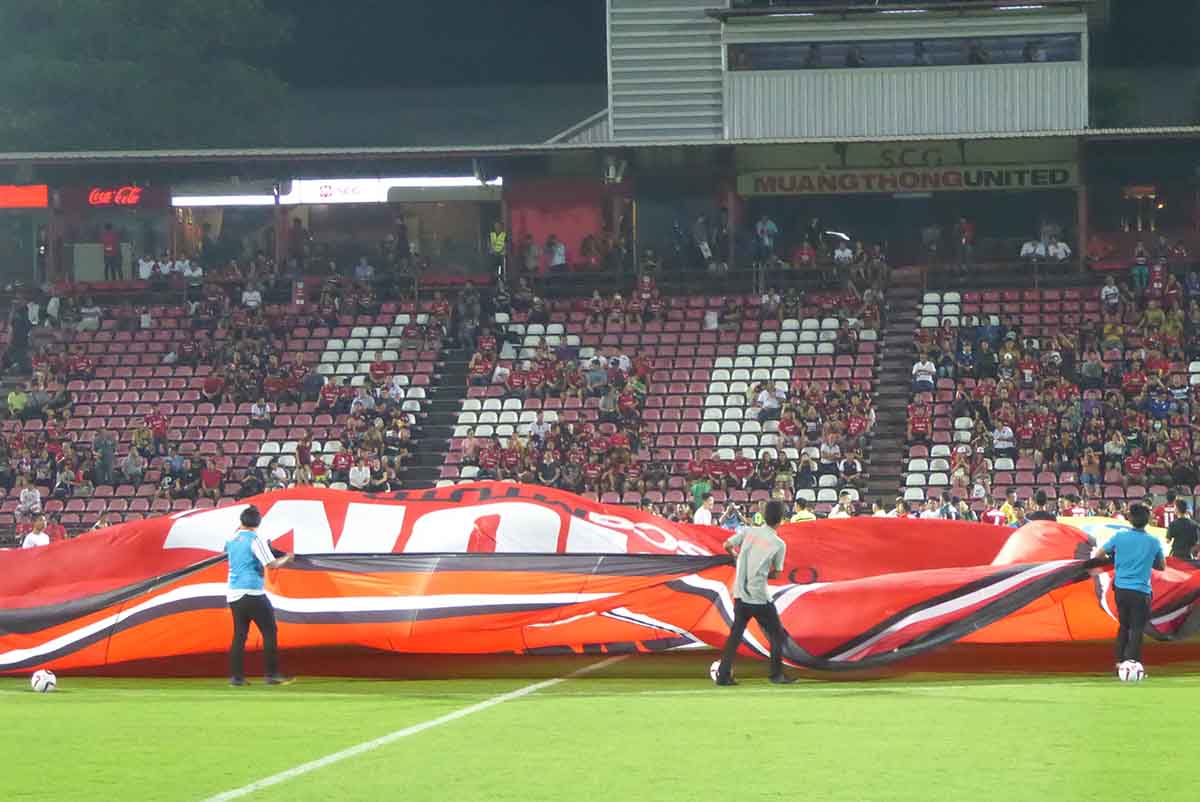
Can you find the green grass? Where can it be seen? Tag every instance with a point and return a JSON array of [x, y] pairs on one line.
[[619, 734]]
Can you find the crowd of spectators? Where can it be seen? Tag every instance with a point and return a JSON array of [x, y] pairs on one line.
[[821, 431], [832, 257], [243, 341], [1096, 404]]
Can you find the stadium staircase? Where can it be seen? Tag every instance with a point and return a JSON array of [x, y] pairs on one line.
[[891, 398], [445, 401]]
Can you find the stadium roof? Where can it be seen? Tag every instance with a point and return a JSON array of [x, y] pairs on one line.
[[1189, 132]]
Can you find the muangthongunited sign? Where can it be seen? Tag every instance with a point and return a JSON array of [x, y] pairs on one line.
[[900, 179]]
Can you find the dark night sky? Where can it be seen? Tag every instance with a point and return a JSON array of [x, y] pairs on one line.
[[421, 43], [418, 43]]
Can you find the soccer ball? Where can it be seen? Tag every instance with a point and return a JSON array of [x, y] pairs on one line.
[[1131, 671], [714, 669], [43, 681]]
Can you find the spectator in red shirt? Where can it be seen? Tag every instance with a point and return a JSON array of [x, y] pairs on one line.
[[343, 461], [573, 382], [304, 450], [212, 480], [919, 422], [110, 243], [1133, 382], [1172, 293], [627, 403], [1164, 514], [380, 372], [718, 473], [857, 425], [1159, 464], [275, 386], [319, 472], [535, 382], [479, 370], [214, 387], [439, 309], [1135, 466], [413, 335], [792, 431], [804, 256], [992, 514], [595, 309], [157, 423], [55, 528], [189, 352], [81, 365], [514, 383], [593, 475], [489, 460], [632, 478], [329, 395], [511, 461], [741, 469]]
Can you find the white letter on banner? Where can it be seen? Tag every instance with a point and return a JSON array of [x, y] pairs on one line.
[[371, 528], [522, 527], [306, 518], [206, 530], [585, 537]]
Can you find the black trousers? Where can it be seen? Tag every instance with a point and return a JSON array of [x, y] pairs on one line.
[[112, 267], [768, 618], [257, 609], [1133, 611]]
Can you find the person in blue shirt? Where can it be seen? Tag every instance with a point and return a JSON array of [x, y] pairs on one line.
[[249, 556], [1134, 553]]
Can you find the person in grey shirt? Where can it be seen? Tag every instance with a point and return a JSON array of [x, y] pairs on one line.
[[105, 447], [596, 378], [760, 554]]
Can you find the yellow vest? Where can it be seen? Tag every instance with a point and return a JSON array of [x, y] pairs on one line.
[[498, 240]]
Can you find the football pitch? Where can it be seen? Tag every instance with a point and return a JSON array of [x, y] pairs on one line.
[[616, 730]]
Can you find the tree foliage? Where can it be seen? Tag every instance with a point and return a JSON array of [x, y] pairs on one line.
[[127, 74]]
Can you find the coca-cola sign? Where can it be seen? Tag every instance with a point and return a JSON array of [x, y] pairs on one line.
[[127, 195]]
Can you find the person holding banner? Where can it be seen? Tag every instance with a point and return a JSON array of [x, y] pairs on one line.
[[760, 555], [1134, 553], [249, 557]]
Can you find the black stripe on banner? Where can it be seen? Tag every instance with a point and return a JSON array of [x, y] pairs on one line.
[[137, 619], [511, 562], [1005, 605], [1185, 602], [27, 620], [995, 610], [970, 587], [988, 614], [715, 598], [291, 617]]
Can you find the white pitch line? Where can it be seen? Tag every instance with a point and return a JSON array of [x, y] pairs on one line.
[[415, 729]]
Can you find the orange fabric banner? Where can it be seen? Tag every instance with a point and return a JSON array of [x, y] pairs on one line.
[[496, 567]]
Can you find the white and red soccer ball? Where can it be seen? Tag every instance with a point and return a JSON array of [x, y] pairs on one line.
[[43, 681]]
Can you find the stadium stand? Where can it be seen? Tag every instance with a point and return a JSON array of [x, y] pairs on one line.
[[1072, 391], [215, 401], [651, 397]]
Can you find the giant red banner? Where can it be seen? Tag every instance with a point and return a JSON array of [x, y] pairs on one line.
[[492, 567]]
